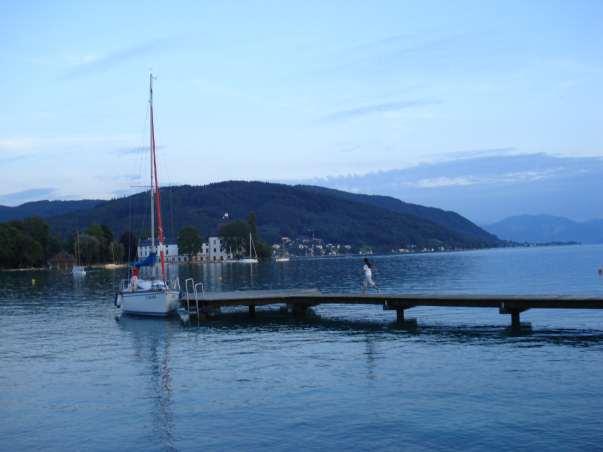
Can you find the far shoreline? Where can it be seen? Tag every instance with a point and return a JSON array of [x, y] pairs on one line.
[[112, 266]]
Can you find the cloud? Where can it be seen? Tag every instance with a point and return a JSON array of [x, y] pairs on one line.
[[484, 179], [16, 144], [390, 53], [439, 182], [31, 194], [366, 110], [474, 153], [92, 65]]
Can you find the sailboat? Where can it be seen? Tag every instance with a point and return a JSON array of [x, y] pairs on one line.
[[154, 296], [284, 256], [250, 259], [78, 270]]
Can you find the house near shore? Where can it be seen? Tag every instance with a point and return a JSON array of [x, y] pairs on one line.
[[214, 251], [211, 251], [169, 248]]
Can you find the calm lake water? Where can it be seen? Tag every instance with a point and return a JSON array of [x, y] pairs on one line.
[[73, 377]]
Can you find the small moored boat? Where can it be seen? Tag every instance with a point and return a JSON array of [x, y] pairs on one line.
[[251, 259], [78, 270]]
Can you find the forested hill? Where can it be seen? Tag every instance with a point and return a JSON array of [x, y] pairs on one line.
[[284, 210], [448, 219]]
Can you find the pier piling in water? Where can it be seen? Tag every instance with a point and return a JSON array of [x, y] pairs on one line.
[[400, 315], [515, 315]]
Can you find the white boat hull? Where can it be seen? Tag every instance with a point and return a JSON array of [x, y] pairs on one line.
[[148, 302], [248, 261]]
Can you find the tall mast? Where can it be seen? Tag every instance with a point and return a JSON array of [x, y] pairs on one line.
[[155, 190], [152, 151]]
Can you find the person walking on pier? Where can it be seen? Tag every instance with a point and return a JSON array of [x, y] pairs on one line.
[[368, 276]]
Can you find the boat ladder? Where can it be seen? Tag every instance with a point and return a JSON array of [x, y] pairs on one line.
[[193, 305]]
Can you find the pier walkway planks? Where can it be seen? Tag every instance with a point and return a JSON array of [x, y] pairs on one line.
[[298, 300]]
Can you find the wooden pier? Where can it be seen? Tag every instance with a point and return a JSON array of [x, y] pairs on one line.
[[298, 301]]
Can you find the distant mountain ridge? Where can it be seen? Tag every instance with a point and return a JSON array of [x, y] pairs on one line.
[[45, 209], [283, 210], [547, 228]]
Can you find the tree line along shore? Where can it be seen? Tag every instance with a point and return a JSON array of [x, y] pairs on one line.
[[30, 243]]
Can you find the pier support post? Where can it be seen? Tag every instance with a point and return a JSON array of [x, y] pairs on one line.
[[515, 321], [400, 315], [299, 310], [252, 310], [515, 315]]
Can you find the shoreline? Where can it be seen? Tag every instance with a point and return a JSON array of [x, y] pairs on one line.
[[112, 266]]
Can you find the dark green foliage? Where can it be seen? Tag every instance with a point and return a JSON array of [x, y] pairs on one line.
[[8, 246], [96, 245], [117, 251], [130, 245], [189, 241], [90, 249], [28, 243], [235, 236], [30, 253], [252, 222], [55, 245], [104, 236], [24, 243], [38, 230], [263, 250]]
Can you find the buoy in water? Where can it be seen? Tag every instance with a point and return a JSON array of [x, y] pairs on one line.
[[33, 281]]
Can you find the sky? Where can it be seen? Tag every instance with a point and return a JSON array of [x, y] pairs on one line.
[[287, 90], [487, 188]]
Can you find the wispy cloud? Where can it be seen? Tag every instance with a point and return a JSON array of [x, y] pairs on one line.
[[504, 178], [16, 144], [475, 153], [386, 107], [31, 194], [93, 64], [390, 52]]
